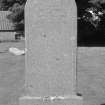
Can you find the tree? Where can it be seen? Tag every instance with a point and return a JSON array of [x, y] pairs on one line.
[[3, 4], [91, 22], [17, 13]]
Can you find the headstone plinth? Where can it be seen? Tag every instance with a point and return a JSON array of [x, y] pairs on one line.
[[62, 100], [51, 29]]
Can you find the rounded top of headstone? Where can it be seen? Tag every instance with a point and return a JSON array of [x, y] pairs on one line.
[[31, 3]]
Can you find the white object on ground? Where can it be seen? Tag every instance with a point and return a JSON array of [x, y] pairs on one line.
[[17, 51]]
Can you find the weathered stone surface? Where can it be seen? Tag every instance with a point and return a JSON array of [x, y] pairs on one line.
[[51, 29], [70, 100]]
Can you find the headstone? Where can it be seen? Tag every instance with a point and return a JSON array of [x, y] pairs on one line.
[[51, 29]]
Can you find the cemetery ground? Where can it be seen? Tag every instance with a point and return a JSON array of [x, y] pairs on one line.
[[91, 82], [11, 70]]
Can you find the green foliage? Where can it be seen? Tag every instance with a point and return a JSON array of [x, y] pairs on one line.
[[17, 15], [17, 12], [98, 3]]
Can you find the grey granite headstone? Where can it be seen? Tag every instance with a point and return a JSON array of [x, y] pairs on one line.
[[50, 29]]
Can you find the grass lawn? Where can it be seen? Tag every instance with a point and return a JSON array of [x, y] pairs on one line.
[[91, 74], [11, 74]]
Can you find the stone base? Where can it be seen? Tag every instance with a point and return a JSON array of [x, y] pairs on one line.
[[66, 100]]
